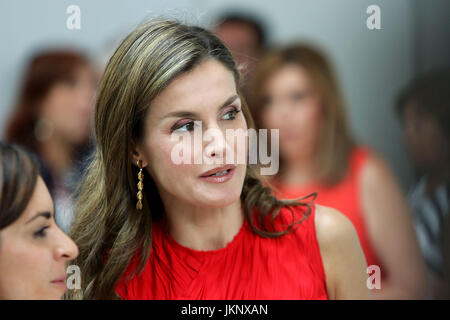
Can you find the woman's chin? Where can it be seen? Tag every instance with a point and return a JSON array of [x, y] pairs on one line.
[[219, 200]]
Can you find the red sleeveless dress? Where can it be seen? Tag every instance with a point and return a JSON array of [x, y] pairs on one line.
[[344, 196], [250, 267]]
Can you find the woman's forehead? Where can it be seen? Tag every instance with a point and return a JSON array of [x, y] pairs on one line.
[[40, 201], [206, 85]]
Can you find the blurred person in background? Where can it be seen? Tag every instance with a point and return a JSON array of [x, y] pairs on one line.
[[424, 107], [446, 241], [246, 38], [295, 91], [33, 249], [52, 118], [446, 255]]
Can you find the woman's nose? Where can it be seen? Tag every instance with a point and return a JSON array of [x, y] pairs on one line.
[[65, 248], [279, 112], [215, 142], [285, 110]]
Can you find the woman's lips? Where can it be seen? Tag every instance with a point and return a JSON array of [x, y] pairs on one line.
[[218, 169], [224, 175], [60, 282]]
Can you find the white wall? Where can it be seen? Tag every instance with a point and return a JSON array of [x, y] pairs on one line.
[[432, 28], [371, 64]]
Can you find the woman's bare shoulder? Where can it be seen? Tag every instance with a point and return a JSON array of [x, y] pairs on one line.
[[342, 255], [332, 226]]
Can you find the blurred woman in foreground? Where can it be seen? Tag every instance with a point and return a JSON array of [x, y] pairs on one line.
[[296, 92], [33, 249]]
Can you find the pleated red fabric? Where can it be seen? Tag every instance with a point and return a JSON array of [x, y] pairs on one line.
[[249, 267]]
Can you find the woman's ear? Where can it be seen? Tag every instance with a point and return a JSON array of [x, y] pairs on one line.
[[137, 154]]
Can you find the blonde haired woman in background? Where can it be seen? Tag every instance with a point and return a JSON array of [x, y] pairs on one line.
[[296, 92], [150, 229]]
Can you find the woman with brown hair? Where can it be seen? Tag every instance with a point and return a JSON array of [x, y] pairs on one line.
[[150, 228], [296, 92], [33, 250], [52, 118]]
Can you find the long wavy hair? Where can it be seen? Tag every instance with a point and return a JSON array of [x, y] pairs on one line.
[[108, 228]]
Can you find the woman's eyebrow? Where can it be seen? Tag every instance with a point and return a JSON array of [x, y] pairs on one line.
[[47, 215], [229, 101], [182, 114]]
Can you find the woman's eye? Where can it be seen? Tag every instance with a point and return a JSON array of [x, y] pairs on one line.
[[230, 115], [298, 96], [266, 102], [40, 233], [189, 126]]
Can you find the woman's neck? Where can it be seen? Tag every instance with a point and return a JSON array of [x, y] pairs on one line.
[[203, 228]]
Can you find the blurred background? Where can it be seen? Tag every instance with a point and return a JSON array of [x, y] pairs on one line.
[[372, 65]]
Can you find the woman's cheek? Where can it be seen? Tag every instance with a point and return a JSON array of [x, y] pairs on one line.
[[269, 119], [308, 116], [161, 153], [167, 157], [240, 147]]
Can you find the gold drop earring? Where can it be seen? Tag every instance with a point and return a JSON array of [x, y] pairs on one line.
[[140, 186]]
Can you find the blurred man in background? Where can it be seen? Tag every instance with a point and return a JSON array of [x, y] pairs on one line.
[[246, 38], [424, 107]]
